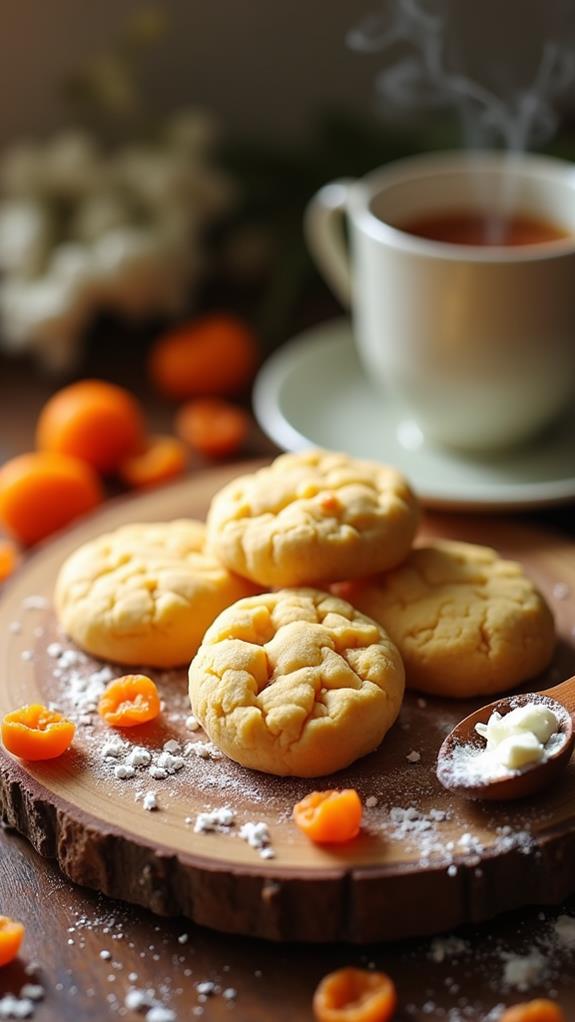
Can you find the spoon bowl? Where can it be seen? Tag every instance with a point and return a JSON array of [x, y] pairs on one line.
[[519, 783]]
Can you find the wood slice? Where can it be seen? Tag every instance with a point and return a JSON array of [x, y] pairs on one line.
[[426, 861]]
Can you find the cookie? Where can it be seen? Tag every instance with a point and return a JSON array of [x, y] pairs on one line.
[[465, 621], [296, 682], [144, 594], [313, 518]]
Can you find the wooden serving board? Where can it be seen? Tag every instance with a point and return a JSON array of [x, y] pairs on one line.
[[425, 862]]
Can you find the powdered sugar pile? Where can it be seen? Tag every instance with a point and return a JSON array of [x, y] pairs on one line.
[[22, 1005], [417, 830], [564, 931], [217, 821], [149, 800], [526, 735], [257, 836], [144, 1001], [521, 972], [468, 765], [446, 948], [509, 839], [222, 821]]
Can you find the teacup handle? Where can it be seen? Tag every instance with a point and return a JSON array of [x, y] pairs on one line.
[[323, 226]]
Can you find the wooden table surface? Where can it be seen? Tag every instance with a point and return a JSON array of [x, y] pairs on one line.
[[88, 952]]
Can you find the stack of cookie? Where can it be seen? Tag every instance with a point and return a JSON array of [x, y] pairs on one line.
[[295, 679]]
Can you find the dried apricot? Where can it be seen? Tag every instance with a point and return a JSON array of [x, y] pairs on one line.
[[215, 428], [216, 355], [42, 492], [534, 1011], [329, 817], [9, 558], [355, 995], [34, 732], [129, 701], [164, 458], [11, 937], [93, 420]]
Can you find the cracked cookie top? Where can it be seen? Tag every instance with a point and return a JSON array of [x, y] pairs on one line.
[[466, 621], [296, 682], [311, 518], [144, 594]]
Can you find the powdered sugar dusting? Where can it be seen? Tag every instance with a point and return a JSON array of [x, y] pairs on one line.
[[216, 821], [521, 972], [431, 834]]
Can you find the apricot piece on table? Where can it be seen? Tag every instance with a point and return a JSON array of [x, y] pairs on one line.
[[11, 937], [34, 732], [355, 995], [9, 558], [163, 459], [42, 492], [96, 421], [215, 428], [129, 701], [329, 817], [213, 356], [534, 1011]]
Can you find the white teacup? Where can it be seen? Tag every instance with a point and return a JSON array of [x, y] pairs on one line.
[[477, 342]]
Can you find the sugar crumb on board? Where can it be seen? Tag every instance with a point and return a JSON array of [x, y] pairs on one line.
[[148, 800], [521, 972], [257, 836], [215, 821]]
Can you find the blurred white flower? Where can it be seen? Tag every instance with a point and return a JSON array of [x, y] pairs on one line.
[[138, 275], [99, 213], [72, 165], [161, 179], [45, 314], [25, 230], [81, 230], [75, 265], [153, 175]]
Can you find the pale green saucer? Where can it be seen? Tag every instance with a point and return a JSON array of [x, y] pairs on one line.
[[313, 392]]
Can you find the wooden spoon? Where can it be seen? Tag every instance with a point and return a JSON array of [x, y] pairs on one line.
[[560, 699]]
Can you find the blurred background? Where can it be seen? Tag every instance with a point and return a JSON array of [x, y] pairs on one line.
[[266, 70], [156, 159], [273, 101]]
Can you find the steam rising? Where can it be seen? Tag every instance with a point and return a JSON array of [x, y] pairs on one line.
[[424, 79]]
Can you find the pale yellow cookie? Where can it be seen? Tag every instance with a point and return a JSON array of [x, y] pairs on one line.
[[296, 682], [144, 594], [311, 518], [465, 621]]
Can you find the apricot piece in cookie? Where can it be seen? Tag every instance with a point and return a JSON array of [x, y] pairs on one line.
[[296, 682], [312, 518], [144, 594], [465, 621]]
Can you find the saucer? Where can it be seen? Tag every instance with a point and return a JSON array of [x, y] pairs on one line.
[[313, 393]]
